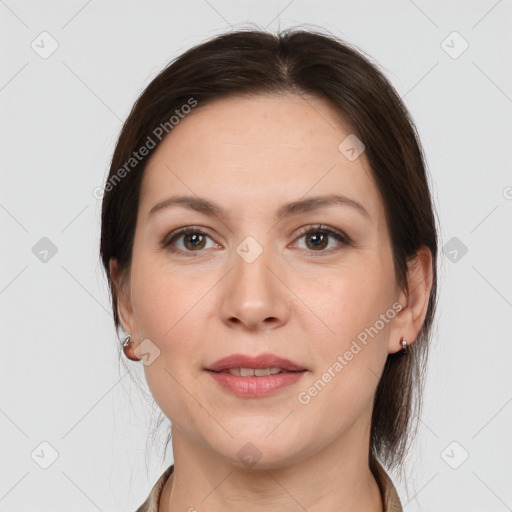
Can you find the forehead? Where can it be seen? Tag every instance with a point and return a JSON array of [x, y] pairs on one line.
[[258, 150]]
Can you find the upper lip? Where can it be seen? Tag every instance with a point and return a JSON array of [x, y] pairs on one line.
[[260, 361]]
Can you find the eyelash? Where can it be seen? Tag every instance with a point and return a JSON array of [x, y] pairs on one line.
[[319, 228]]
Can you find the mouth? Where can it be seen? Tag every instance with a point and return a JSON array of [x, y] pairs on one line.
[[255, 377]]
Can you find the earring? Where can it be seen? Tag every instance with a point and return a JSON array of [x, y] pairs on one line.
[[403, 342], [126, 348]]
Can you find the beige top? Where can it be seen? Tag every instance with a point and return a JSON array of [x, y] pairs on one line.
[[389, 495]]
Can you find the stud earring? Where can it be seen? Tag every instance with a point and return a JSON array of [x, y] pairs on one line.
[[403, 343], [126, 348]]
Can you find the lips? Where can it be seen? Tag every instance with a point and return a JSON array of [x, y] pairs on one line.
[[255, 377], [244, 364]]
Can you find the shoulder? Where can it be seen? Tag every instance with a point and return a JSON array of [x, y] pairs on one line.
[[390, 499], [151, 503]]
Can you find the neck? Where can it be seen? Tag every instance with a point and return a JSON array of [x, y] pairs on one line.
[[336, 478]]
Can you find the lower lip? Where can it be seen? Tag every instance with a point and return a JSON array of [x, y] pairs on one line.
[[256, 387]]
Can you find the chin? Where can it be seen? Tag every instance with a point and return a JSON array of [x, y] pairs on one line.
[[252, 450]]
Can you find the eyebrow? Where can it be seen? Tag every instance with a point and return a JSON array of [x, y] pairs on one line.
[[202, 205]]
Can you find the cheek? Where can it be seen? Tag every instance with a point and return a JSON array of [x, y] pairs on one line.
[[154, 304], [171, 310], [165, 309], [345, 301], [350, 341], [159, 298]]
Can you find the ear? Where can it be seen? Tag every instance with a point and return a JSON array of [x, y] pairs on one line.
[[409, 320], [124, 305]]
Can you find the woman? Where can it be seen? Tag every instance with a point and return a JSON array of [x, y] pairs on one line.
[[270, 244]]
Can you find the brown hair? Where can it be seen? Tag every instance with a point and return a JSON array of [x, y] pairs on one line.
[[301, 62]]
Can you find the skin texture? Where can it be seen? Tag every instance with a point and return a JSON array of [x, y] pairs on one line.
[[308, 304]]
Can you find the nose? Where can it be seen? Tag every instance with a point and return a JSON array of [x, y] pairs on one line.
[[254, 296]]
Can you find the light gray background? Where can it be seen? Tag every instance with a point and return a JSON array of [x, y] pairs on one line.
[[60, 116]]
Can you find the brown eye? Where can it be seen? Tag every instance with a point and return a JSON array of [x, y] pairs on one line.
[[318, 238], [187, 240], [194, 241]]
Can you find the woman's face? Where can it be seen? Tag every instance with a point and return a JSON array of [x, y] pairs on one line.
[[249, 279]]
